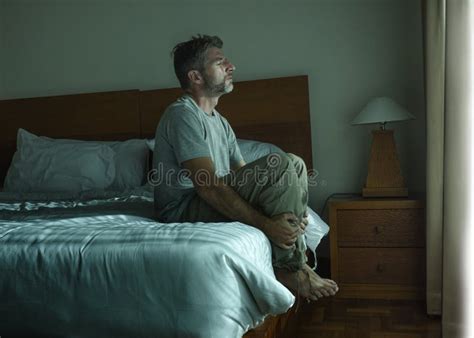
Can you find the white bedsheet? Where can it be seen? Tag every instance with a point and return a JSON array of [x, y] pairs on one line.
[[98, 267]]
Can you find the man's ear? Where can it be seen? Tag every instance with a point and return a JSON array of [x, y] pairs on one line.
[[195, 77]]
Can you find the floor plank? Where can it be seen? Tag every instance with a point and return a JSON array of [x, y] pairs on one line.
[[367, 318]]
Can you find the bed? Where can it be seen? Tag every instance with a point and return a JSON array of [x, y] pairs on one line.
[[93, 261]]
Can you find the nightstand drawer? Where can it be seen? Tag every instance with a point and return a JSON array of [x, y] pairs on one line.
[[401, 266], [380, 227]]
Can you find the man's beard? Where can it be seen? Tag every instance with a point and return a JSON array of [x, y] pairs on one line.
[[216, 89]]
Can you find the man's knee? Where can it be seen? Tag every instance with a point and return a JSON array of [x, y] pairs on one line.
[[297, 161], [294, 158], [286, 161], [278, 160]]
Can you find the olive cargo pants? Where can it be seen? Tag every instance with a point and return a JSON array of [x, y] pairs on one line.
[[273, 184]]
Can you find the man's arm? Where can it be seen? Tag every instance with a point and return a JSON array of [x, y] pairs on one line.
[[228, 202], [239, 165]]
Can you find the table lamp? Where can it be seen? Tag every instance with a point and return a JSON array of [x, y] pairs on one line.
[[384, 177]]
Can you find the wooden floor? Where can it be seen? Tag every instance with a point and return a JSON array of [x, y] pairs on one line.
[[356, 318]]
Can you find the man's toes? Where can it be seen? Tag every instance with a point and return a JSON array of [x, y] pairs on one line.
[[318, 294], [329, 292], [330, 288], [326, 292], [330, 281], [332, 284], [327, 284]]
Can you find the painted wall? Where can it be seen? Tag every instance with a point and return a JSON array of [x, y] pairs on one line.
[[2, 49], [351, 51]]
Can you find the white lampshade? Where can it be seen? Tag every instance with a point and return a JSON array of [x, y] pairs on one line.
[[382, 110]]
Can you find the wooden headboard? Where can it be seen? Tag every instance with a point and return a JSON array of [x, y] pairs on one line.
[[272, 110]]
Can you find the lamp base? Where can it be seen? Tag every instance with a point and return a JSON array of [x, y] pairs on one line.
[[384, 177], [385, 192]]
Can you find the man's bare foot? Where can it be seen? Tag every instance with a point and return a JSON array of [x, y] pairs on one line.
[[321, 287], [307, 283]]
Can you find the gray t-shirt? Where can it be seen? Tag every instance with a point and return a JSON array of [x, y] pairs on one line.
[[186, 132]]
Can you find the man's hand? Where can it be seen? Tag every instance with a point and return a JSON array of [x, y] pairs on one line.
[[282, 230], [304, 222]]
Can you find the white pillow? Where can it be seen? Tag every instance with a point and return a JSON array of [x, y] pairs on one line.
[[41, 165], [315, 230], [253, 150], [150, 143], [131, 163], [130, 158]]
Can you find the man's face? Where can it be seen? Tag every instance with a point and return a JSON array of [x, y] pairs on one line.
[[217, 73]]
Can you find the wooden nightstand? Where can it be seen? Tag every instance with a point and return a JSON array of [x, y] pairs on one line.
[[378, 248]]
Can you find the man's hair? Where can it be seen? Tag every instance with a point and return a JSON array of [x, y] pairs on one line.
[[191, 55]]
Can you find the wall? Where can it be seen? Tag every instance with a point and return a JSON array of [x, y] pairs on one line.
[[2, 49], [351, 50]]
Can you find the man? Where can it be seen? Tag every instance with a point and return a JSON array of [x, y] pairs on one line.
[[206, 178]]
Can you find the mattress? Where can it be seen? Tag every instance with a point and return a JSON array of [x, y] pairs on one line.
[[100, 265]]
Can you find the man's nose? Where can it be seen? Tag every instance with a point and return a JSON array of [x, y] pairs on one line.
[[230, 67]]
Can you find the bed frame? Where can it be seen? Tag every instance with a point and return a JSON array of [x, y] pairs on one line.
[[271, 110]]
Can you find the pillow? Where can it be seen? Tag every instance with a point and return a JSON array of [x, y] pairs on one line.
[[41, 165], [315, 231], [129, 161], [253, 150], [150, 143]]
